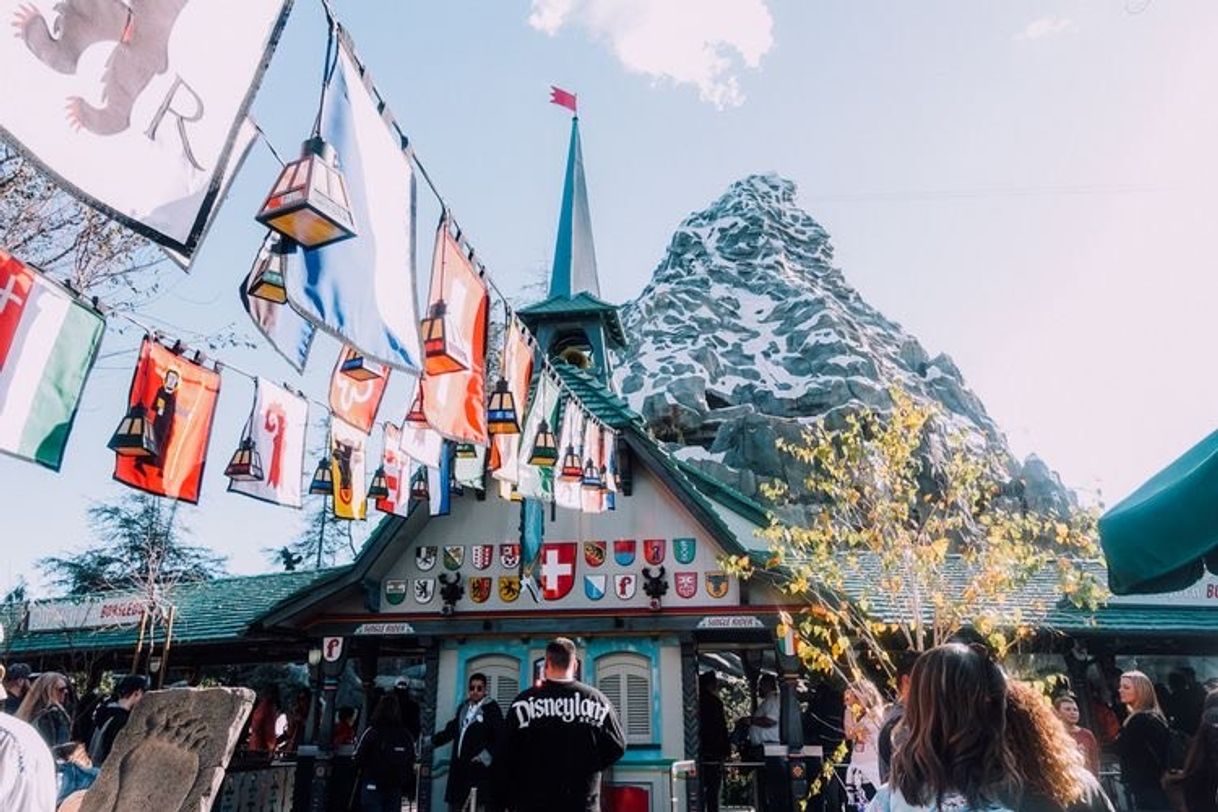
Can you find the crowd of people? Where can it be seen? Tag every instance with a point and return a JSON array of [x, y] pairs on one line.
[[52, 746], [960, 734]]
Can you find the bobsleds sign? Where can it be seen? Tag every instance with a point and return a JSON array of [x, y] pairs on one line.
[[89, 613], [129, 105]]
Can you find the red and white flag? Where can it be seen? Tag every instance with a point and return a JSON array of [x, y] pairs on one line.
[[277, 425], [420, 441], [567, 492], [518, 368], [563, 98], [354, 400], [397, 474], [592, 500]]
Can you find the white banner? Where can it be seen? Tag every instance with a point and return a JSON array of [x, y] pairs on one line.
[[277, 426], [86, 613], [135, 107]]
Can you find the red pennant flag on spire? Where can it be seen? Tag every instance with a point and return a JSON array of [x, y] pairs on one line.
[[562, 98]]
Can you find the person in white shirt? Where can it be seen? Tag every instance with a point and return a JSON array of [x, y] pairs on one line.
[[863, 719], [27, 769], [762, 730]]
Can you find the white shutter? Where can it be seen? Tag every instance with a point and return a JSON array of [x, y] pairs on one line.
[[625, 679], [637, 720], [611, 686]]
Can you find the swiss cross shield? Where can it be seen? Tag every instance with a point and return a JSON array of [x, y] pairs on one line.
[[481, 555], [424, 588], [684, 550], [594, 587], [509, 588], [653, 551], [594, 553], [623, 551], [557, 569], [454, 556], [686, 583], [479, 588], [509, 556], [624, 585], [425, 558], [395, 592], [716, 584]]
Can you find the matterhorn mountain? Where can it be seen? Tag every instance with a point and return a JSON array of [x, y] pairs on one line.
[[747, 331]]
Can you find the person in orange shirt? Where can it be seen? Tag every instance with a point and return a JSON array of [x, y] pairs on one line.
[[344, 728]]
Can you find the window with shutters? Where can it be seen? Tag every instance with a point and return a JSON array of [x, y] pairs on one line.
[[502, 676], [626, 679]]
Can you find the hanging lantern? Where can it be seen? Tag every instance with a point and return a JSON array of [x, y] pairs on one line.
[[271, 266], [604, 486], [415, 416], [134, 436], [379, 489], [309, 201], [246, 464], [501, 414], [591, 476], [356, 367], [571, 469], [545, 448], [465, 451], [440, 356], [418, 487], [323, 479]]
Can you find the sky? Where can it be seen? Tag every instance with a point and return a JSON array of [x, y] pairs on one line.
[[1026, 187]]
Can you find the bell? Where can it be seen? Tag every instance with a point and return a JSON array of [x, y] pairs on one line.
[[501, 414], [323, 479], [545, 448], [591, 476], [309, 200], [134, 436], [465, 451], [571, 469], [246, 464], [439, 355], [269, 280], [379, 489], [415, 416], [358, 368], [418, 487]]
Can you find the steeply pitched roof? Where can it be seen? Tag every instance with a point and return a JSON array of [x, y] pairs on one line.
[[605, 405], [207, 612], [582, 305]]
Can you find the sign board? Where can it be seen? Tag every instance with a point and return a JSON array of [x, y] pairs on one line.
[[383, 629], [86, 613], [1202, 593], [730, 622]]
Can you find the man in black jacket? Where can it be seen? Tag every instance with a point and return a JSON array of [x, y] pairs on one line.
[[109, 719], [474, 731], [558, 738]]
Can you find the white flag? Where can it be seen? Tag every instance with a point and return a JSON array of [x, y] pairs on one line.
[[277, 427], [591, 499], [130, 106], [567, 491], [534, 482]]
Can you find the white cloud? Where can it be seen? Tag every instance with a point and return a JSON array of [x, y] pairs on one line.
[[704, 43], [1049, 26]]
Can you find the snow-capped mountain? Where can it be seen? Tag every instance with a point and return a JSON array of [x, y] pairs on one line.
[[747, 330]]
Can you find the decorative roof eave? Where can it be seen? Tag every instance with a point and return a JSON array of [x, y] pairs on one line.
[[581, 306]]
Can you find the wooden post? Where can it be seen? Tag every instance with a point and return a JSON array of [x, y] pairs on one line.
[[139, 642], [160, 675]]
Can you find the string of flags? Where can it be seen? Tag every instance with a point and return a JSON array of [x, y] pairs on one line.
[[337, 256]]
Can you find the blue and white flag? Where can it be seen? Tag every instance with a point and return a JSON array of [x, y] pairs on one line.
[[289, 333], [362, 289]]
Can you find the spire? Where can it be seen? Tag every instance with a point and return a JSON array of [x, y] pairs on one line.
[[574, 255]]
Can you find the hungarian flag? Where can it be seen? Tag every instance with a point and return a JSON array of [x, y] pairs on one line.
[[455, 402], [397, 474], [357, 399], [563, 98], [48, 344], [567, 491], [348, 463], [533, 482], [518, 370], [277, 426], [179, 398]]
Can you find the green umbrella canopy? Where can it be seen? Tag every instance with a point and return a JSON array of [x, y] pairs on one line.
[[1162, 536]]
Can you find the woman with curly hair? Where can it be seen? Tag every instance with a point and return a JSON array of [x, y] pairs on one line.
[[1049, 775], [954, 757]]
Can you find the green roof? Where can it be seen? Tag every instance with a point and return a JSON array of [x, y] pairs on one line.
[[581, 305], [725, 494], [605, 405], [215, 611]]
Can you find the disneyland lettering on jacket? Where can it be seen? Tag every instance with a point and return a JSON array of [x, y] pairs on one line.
[[584, 709]]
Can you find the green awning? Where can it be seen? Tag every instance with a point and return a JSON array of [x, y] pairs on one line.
[[1162, 536]]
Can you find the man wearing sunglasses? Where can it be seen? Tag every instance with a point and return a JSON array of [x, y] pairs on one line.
[[474, 732]]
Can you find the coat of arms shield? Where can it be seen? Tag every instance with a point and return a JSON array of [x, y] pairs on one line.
[[653, 551], [454, 556], [716, 584], [624, 585], [479, 588], [623, 552], [424, 589], [684, 550], [481, 555], [425, 558], [509, 556], [686, 583], [509, 588], [395, 592], [594, 553], [594, 587]]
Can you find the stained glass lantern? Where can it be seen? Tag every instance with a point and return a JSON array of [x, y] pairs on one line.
[[591, 476], [323, 479], [465, 451], [440, 356], [571, 469], [270, 276], [134, 436], [604, 486], [501, 414], [545, 448], [358, 368], [379, 489], [418, 487], [309, 200], [415, 416], [246, 464]]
